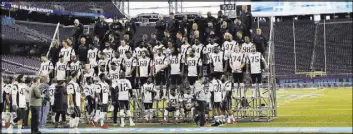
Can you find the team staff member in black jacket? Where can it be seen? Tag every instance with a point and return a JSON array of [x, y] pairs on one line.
[[116, 28], [260, 41], [82, 51], [78, 32], [172, 26], [185, 26], [100, 29], [60, 103], [130, 27], [160, 28], [246, 18], [54, 52]]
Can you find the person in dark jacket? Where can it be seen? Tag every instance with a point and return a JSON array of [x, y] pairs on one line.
[[201, 23], [116, 28], [166, 38], [185, 26], [247, 19], [87, 36], [60, 103], [77, 33], [160, 28], [239, 38], [238, 27], [114, 42], [224, 29], [100, 30], [54, 52], [260, 41], [130, 27], [172, 26], [82, 51], [179, 41], [211, 22]]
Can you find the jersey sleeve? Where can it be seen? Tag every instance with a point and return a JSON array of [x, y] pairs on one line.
[[128, 85], [51, 65], [166, 61], [134, 62], [70, 89], [199, 62], [73, 52], [98, 88]]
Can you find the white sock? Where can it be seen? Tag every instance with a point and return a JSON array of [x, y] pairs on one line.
[[97, 116], [102, 117], [165, 114], [128, 113], [151, 114], [253, 91], [122, 116], [71, 122], [19, 129], [77, 121], [242, 90], [177, 114], [146, 114]]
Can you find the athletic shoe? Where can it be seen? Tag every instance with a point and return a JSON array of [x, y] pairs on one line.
[[215, 124], [104, 127], [164, 121], [115, 124], [10, 129], [122, 124], [132, 124]]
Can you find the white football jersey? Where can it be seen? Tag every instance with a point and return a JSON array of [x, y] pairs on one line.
[[255, 60], [18, 95], [185, 49], [159, 62], [51, 93], [88, 74], [109, 52], [246, 47], [45, 67], [124, 86], [138, 50], [216, 88], [228, 47], [75, 66], [61, 70], [193, 63], [235, 61], [92, 55], [199, 49], [123, 49], [129, 64], [104, 63], [218, 61], [209, 51], [102, 89], [174, 100], [74, 89], [167, 52], [89, 90], [114, 75], [144, 65], [175, 62], [147, 92], [67, 53]]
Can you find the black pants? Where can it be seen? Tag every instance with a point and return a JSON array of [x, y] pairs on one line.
[[201, 111], [62, 114], [35, 118], [25, 118], [1, 108], [115, 113]]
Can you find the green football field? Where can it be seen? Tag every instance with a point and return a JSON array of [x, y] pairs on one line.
[[299, 108]]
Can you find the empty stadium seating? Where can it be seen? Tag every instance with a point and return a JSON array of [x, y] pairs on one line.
[[82, 6]]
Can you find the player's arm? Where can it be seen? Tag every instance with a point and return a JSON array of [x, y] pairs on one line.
[[200, 66], [134, 64], [243, 60], [70, 92], [211, 63], [137, 67], [51, 67], [129, 87], [166, 63], [152, 68], [98, 91], [264, 61], [225, 59]]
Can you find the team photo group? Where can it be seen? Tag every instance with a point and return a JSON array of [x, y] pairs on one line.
[[183, 70]]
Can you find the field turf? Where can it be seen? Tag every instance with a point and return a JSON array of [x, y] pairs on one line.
[[297, 108]]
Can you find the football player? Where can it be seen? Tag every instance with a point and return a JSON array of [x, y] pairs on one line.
[[18, 103], [67, 51], [130, 64], [228, 44], [123, 48], [237, 63], [144, 64], [193, 67], [188, 104], [124, 95], [46, 67], [176, 63], [74, 96], [173, 103], [227, 88], [102, 94], [199, 48], [60, 69], [255, 59], [160, 63], [108, 51], [246, 46], [92, 56], [51, 96], [147, 96], [88, 89], [218, 63], [216, 98]]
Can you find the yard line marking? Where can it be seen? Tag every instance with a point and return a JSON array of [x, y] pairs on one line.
[[302, 96]]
